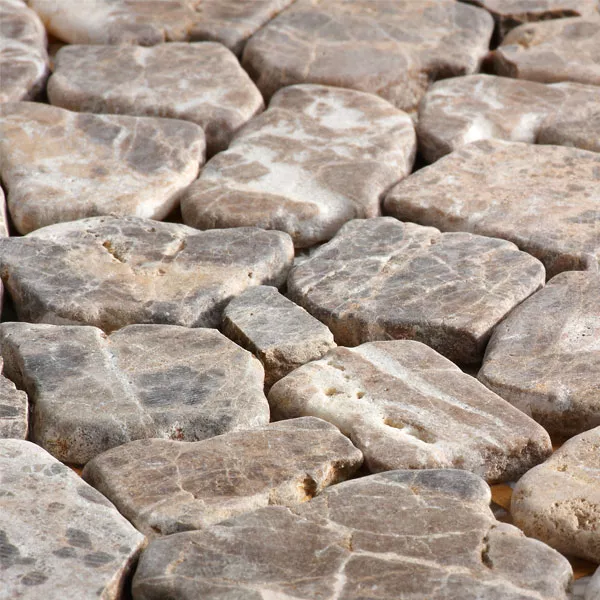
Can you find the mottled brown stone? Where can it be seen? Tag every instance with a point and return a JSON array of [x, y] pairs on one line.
[[13, 409], [579, 127]]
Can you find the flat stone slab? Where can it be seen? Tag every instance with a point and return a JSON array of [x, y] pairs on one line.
[[380, 279], [110, 272], [318, 157], [13, 409], [421, 534], [91, 392], [544, 358], [59, 537], [558, 502], [202, 83], [165, 487], [393, 48], [281, 334], [512, 191]]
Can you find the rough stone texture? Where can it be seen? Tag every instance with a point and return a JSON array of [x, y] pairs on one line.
[[393, 48], [90, 392], [408, 534], [513, 191], [61, 166], [13, 410], [111, 272], [166, 487], [318, 157], [381, 279], [281, 334], [545, 357], [59, 537], [579, 128], [203, 83], [558, 502], [557, 50]]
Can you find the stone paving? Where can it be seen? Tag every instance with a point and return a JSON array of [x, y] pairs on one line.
[[301, 299]]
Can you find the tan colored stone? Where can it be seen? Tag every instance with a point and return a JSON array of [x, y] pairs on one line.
[[13, 409], [579, 128]]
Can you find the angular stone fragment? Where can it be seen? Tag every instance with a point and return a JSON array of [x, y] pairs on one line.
[[380, 279], [393, 48], [91, 392], [111, 272], [59, 537], [545, 199], [165, 487], [318, 157], [13, 410], [203, 83], [404, 534]]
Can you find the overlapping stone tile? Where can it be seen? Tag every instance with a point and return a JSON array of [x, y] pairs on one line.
[[318, 157], [417, 534], [90, 392], [545, 199], [393, 48], [382, 279], [59, 166], [13, 409], [110, 272], [59, 537]]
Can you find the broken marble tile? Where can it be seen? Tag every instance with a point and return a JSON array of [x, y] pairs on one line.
[[202, 83], [545, 199], [393, 48], [380, 279], [165, 487], [90, 392], [13, 409], [110, 272], [544, 358], [429, 534], [59, 537], [23, 55], [318, 157], [558, 502], [59, 166]]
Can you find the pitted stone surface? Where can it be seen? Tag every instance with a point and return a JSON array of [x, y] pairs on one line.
[[110, 272], [166, 487], [545, 356], [558, 502], [59, 166], [512, 191], [414, 535], [59, 537], [393, 48], [91, 392], [202, 82], [318, 157], [13, 410], [23, 55], [381, 279], [280, 333]]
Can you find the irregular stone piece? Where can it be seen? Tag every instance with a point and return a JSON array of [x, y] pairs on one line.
[[203, 83], [380, 279], [91, 392], [318, 157], [13, 410], [545, 199], [408, 534], [558, 502], [544, 358], [393, 48], [579, 128], [59, 537], [165, 487], [111, 272]]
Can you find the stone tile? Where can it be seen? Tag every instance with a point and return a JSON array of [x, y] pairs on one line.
[[91, 392], [166, 487], [512, 191], [380, 279], [13, 409], [110, 272], [202, 83], [393, 48], [318, 157], [281, 334], [354, 541], [59, 537]]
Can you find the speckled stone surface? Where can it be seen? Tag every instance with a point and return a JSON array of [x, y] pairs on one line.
[[13, 409]]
